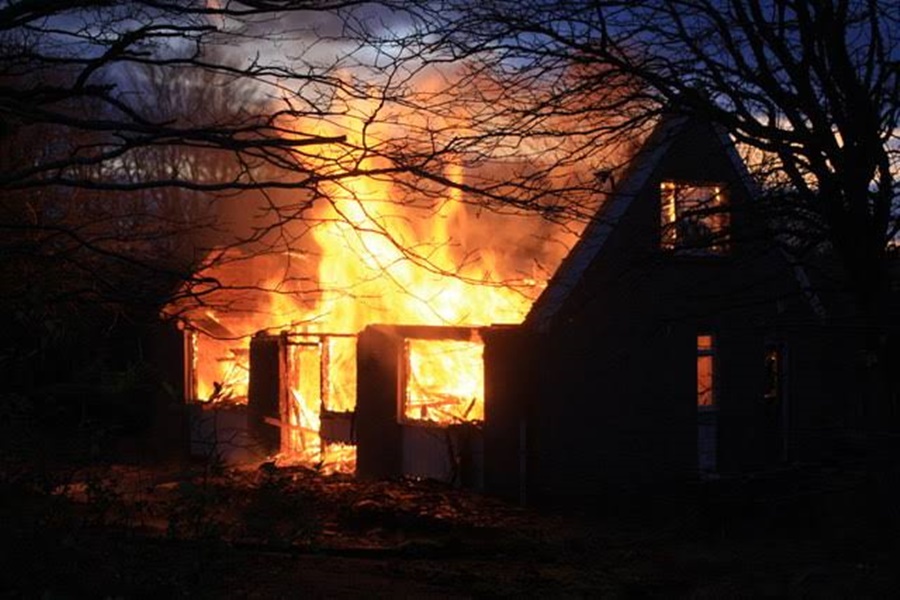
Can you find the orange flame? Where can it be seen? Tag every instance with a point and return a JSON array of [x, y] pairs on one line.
[[381, 261], [445, 382]]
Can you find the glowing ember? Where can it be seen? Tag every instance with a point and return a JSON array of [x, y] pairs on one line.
[[338, 458], [334, 458]]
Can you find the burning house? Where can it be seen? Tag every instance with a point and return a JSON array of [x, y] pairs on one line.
[[675, 340], [290, 380], [279, 353]]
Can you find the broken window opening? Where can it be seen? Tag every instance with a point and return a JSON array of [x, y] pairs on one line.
[[694, 218], [217, 368], [707, 406], [339, 374], [444, 381], [320, 400], [706, 391]]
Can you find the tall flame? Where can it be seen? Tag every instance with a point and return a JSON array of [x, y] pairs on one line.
[[380, 261]]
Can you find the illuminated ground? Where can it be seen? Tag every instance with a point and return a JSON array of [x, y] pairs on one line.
[[129, 531]]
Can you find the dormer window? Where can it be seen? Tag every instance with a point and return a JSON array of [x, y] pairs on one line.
[[693, 218]]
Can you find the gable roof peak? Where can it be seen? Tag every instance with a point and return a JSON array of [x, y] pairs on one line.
[[642, 166]]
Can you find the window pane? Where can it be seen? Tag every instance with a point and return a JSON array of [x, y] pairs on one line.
[[705, 396], [668, 214], [693, 217]]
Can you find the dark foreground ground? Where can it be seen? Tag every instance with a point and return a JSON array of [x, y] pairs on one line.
[[200, 531]]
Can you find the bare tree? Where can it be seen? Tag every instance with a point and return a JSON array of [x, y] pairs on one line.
[[538, 102], [122, 124], [60, 59], [810, 88], [128, 131], [147, 143]]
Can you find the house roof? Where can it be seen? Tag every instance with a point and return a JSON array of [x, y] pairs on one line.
[[597, 232]]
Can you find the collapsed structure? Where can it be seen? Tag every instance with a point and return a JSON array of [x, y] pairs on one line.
[[274, 353]]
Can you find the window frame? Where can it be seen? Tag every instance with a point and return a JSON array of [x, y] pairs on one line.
[[404, 384], [711, 352], [707, 414], [716, 218]]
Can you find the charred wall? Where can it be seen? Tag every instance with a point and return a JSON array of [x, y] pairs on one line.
[[267, 390], [513, 378], [378, 440]]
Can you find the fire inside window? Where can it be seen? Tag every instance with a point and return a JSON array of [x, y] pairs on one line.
[[694, 218], [707, 404], [706, 397], [219, 368], [322, 385], [444, 381]]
